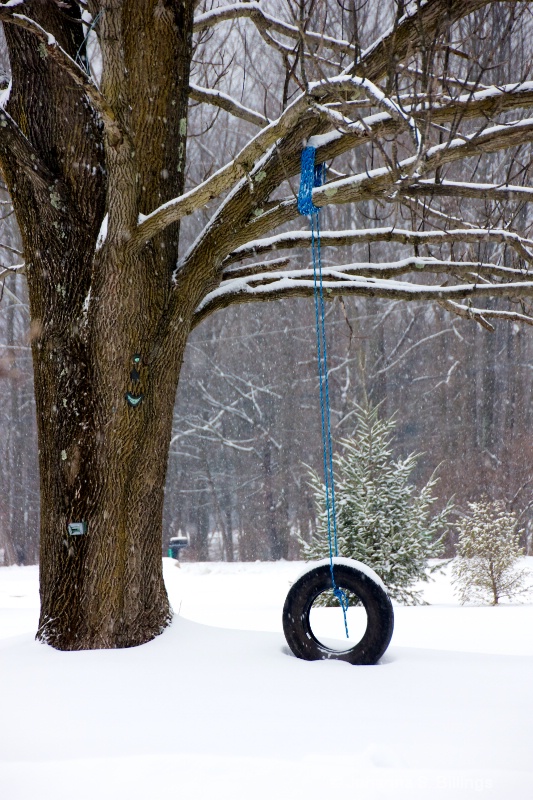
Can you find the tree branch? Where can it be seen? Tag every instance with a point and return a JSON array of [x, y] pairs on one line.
[[403, 37], [473, 191], [488, 141], [263, 21], [216, 98], [380, 183], [481, 315], [15, 269], [337, 142], [495, 100], [255, 269], [424, 264], [11, 249], [328, 145], [293, 239], [338, 283]]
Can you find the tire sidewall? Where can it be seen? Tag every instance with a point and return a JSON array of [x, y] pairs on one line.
[[303, 593]]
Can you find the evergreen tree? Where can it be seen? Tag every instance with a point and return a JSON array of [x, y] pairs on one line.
[[487, 554], [382, 519]]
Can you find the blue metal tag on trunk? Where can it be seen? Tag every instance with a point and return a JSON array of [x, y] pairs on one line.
[[77, 528]]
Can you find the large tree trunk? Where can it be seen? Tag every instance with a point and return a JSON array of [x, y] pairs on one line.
[[107, 468], [108, 326]]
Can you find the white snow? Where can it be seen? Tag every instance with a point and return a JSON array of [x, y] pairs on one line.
[[102, 234], [522, 87], [347, 562], [481, 187], [216, 707], [5, 93], [321, 140]]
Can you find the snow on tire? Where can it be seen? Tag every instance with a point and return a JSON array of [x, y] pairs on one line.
[[354, 577]]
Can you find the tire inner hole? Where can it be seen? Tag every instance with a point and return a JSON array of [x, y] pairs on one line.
[[327, 620]]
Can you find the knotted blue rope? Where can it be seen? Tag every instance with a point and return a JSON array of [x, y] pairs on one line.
[[312, 176]]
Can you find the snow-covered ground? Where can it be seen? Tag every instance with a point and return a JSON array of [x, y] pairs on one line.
[[217, 707]]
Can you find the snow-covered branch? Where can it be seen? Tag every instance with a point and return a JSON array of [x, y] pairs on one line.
[[381, 182], [265, 21], [337, 142], [338, 281], [351, 83], [487, 102], [293, 239], [473, 191], [482, 315], [256, 268], [17, 269], [222, 100], [420, 264], [334, 143], [481, 104]]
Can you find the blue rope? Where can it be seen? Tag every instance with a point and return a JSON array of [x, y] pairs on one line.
[[312, 176]]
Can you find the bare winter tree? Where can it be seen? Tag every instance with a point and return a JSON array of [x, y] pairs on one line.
[[94, 128]]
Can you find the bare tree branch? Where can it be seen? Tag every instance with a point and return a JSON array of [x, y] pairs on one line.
[[293, 239], [473, 191], [337, 281], [221, 100], [11, 249], [402, 38], [481, 315], [15, 269], [263, 21]]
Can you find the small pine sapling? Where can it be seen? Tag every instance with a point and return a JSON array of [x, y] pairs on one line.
[[383, 520], [488, 550]]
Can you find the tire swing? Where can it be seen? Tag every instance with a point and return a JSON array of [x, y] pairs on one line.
[[343, 576]]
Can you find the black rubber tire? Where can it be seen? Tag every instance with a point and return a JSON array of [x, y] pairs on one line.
[[303, 593]]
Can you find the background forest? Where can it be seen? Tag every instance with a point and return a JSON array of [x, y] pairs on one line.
[[247, 411]]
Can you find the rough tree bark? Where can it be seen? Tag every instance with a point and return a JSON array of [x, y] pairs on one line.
[[102, 460]]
